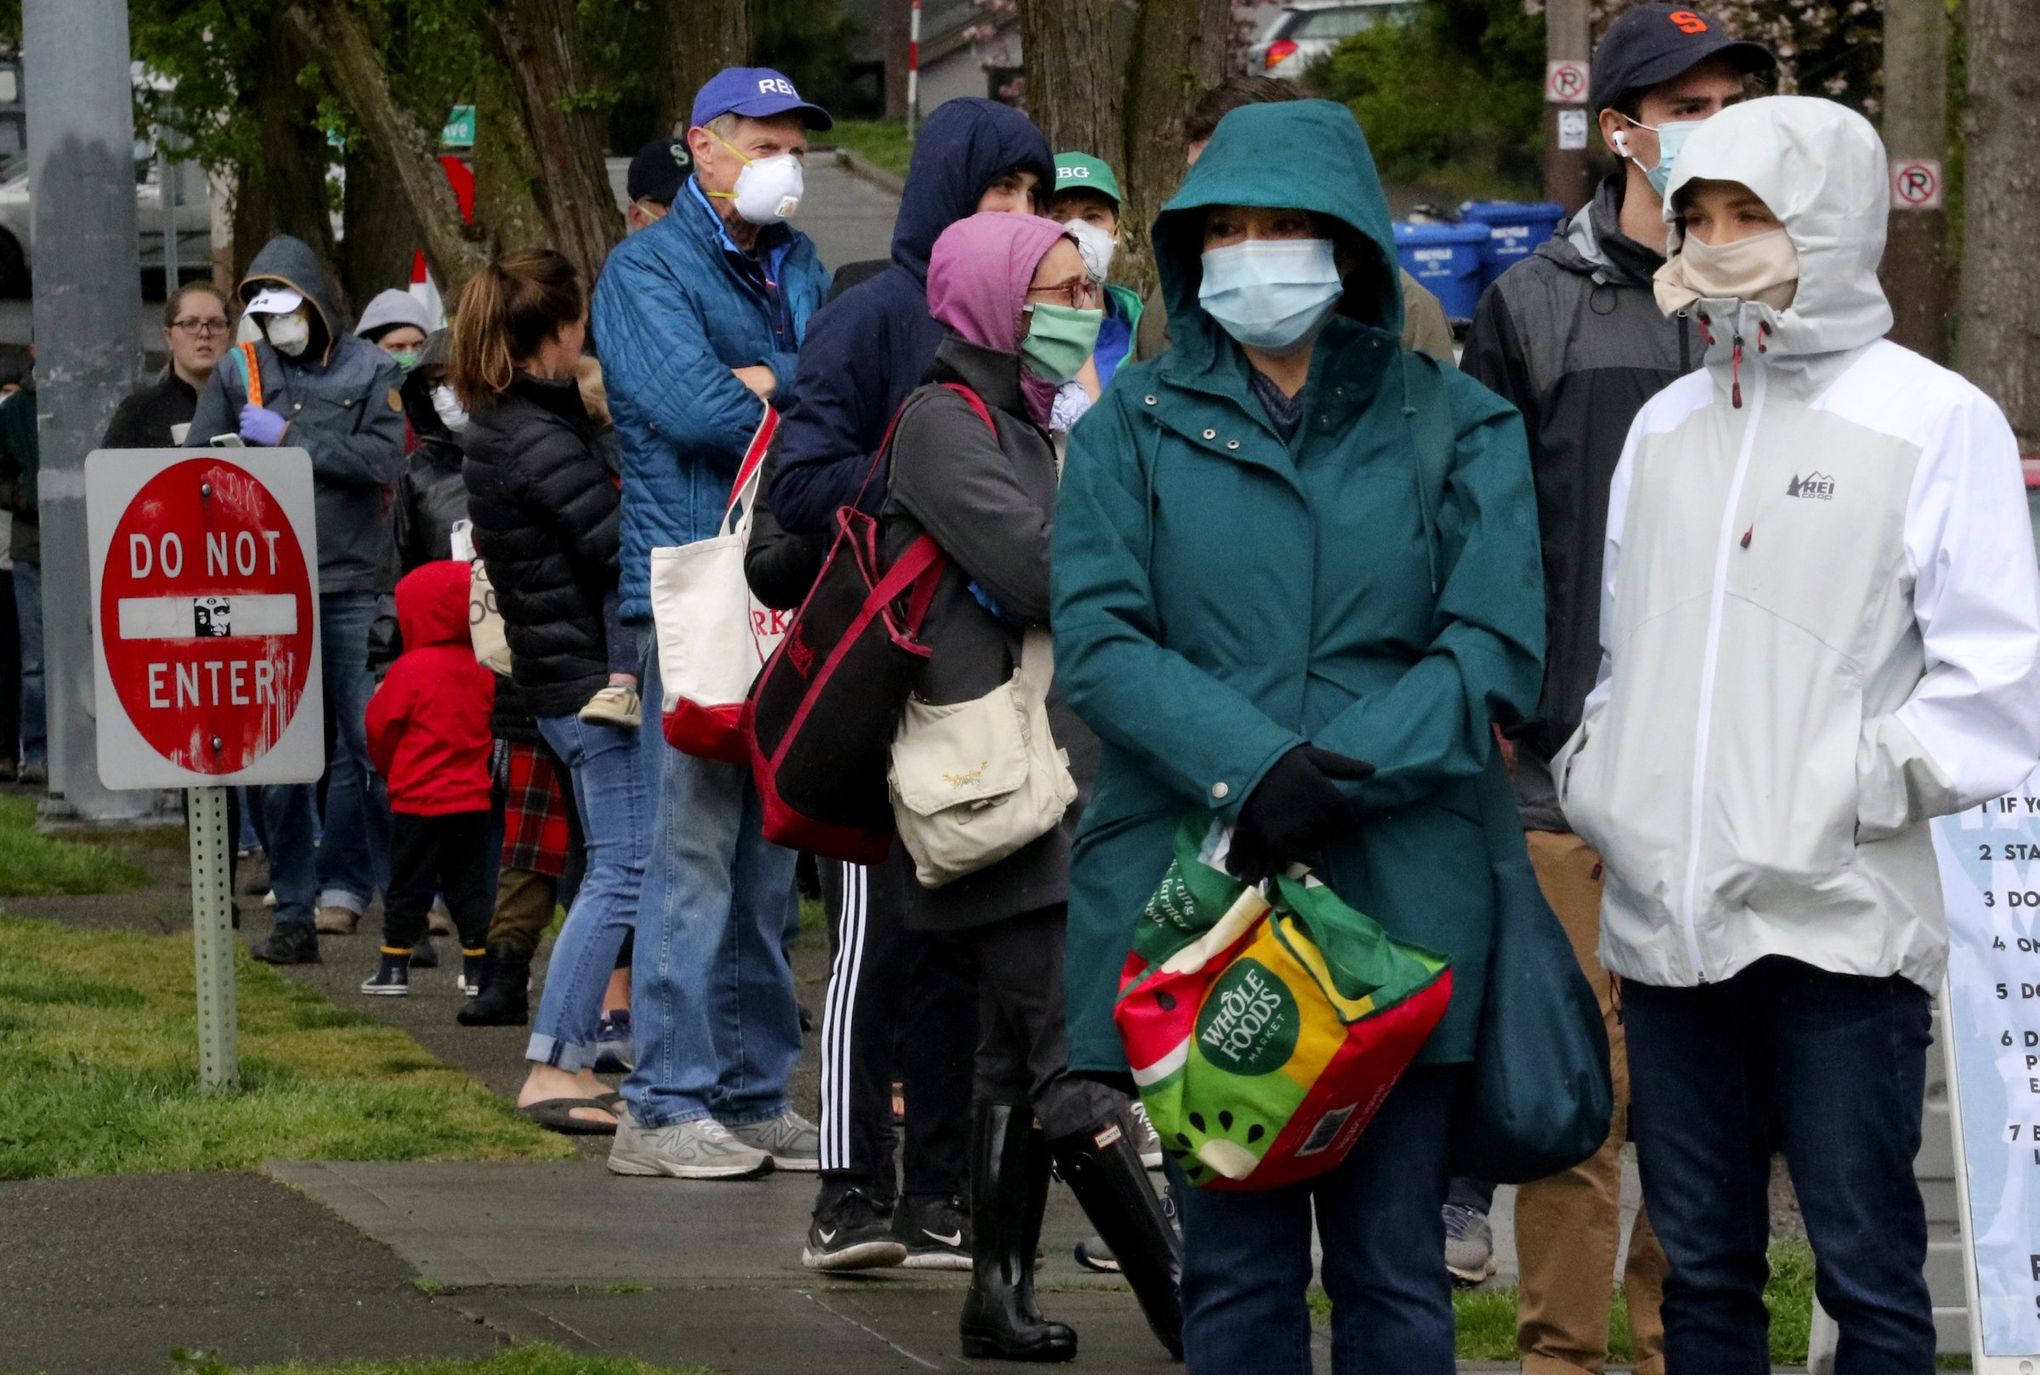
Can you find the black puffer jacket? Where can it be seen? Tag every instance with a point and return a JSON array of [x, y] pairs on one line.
[[545, 520], [1572, 337]]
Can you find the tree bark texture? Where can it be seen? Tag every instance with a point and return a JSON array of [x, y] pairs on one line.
[[1178, 51], [506, 205], [539, 43], [283, 189], [1917, 274], [382, 232], [1076, 75], [1999, 348], [405, 149], [705, 37]]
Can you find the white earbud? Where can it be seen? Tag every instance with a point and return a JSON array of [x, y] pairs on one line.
[[1622, 142]]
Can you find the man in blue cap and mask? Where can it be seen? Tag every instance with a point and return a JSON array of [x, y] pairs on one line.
[[700, 319]]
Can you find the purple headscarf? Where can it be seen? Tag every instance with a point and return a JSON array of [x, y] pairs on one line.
[[978, 275]]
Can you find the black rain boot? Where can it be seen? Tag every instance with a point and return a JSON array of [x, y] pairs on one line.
[[505, 999], [1101, 1164], [1008, 1189]]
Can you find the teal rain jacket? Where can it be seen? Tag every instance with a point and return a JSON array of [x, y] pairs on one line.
[[1372, 586]]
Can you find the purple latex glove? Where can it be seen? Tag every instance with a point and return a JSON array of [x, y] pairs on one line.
[[262, 426]]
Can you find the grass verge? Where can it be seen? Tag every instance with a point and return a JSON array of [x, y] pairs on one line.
[[99, 1070], [34, 865], [881, 142], [528, 1360]]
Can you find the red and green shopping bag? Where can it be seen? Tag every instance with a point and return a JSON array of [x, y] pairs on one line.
[[1262, 1034]]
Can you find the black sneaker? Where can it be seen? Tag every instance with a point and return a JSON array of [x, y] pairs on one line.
[[474, 967], [290, 943], [424, 955], [935, 1231], [392, 978], [851, 1232]]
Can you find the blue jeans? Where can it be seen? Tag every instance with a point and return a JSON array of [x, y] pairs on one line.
[[354, 845], [345, 860], [711, 992], [1247, 1264], [1831, 1067], [614, 801], [28, 610]]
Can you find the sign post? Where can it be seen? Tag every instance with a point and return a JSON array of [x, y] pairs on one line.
[[205, 637]]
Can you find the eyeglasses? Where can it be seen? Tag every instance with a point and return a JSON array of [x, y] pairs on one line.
[[191, 324], [1076, 294]]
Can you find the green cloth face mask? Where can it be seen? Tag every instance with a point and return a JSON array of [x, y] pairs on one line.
[[1059, 341], [406, 360]]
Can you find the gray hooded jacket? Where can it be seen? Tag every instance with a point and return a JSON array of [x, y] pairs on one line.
[[341, 398]]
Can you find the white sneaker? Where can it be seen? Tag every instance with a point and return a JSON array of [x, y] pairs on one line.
[[793, 1142], [615, 705], [1145, 1138], [702, 1149]]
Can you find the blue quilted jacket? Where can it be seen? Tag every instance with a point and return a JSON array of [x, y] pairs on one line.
[[676, 308]]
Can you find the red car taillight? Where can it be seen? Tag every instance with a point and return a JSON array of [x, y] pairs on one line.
[[1279, 51]]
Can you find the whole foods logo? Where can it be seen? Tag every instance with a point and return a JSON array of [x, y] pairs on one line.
[[1249, 1021]]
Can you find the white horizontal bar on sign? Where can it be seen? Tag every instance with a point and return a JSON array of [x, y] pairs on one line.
[[203, 618]]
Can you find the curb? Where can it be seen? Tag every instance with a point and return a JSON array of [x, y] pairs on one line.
[[866, 170]]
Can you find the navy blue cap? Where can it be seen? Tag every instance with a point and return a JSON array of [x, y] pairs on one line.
[[1651, 44], [658, 171], [755, 93]]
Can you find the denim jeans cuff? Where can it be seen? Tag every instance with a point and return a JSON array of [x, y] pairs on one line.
[[343, 897], [671, 1119], [550, 1050], [752, 1120]]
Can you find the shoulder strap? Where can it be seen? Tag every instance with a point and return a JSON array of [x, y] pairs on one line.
[[253, 368], [746, 484], [977, 404]]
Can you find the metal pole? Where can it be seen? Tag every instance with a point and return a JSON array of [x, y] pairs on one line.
[[1566, 39], [1915, 271], [212, 936], [170, 180], [913, 67], [87, 286]]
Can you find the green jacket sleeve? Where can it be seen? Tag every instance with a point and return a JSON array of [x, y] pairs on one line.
[[1486, 657], [1197, 735]]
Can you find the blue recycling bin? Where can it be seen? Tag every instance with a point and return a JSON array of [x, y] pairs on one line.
[[1446, 258], [1514, 231]]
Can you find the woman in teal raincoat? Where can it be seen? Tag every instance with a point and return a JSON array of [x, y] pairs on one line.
[[1285, 551]]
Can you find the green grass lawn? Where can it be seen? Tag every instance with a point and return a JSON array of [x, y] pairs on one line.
[[882, 142], [34, 865], [529, 1360], [99, 1070]]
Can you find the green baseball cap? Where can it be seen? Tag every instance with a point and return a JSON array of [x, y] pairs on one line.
[[1082, 172]]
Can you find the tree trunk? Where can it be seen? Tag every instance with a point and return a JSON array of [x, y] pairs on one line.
[[1179, 50], [354, 65], [1076, 77], [539, 43], [282, 190], [505, 203], [2000, 312], [381, 232], [706, 36]]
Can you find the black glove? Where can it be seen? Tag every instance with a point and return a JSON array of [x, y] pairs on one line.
[[1295, 812]]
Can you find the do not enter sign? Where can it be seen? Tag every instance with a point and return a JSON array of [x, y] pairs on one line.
[[205, 617]]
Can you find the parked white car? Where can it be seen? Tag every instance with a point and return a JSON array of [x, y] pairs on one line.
[[1303, 31], [194, 224]]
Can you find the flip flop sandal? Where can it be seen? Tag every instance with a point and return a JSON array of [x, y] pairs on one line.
[[613, 1100], [557, 1115]]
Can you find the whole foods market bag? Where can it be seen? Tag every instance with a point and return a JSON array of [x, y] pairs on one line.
[[1264, 1035]]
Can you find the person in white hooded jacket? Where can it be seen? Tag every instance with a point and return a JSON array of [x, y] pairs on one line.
[[1820, 628]]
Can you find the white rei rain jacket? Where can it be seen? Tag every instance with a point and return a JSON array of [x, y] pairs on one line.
[[1820, 624]]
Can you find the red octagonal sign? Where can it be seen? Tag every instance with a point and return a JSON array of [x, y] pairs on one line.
[[206, 616]]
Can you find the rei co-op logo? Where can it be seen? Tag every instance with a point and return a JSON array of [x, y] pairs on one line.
[[1814, 487], [1248, 1023]]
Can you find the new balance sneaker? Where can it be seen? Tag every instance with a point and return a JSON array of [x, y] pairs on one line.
[[292, 942], [616, 705], [701, 1149], [793, 1142], [1469, 1245], [935, 1231], [392, 978], [613, 1051], [335, 920], [851, 1232], [1145, 1138]]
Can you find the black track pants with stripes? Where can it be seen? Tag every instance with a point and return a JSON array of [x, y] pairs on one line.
[[897, 998]]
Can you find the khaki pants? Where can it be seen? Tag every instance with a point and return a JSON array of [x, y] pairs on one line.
[[1568, 1226]]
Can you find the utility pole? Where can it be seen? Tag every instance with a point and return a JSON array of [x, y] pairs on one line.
[[87, 288], [1566, 119], [1916, 275]]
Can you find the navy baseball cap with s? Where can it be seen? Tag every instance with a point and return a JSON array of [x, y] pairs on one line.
[[755, 93], [1651, 44]]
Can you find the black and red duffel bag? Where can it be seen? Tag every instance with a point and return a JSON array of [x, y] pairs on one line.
[[821, 715]]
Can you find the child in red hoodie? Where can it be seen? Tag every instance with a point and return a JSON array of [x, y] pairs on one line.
[[428, 736]]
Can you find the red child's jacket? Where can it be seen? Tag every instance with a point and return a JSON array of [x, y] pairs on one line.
[[428, 724]]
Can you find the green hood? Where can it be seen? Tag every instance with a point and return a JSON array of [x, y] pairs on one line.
[[1301, 154]]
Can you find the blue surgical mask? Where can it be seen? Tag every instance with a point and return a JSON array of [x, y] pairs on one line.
[[1271, 294], [1671, 136]]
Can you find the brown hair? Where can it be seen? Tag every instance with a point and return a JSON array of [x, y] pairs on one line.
[[1233, 93], [174, 305], [594, 392], [507, 312]]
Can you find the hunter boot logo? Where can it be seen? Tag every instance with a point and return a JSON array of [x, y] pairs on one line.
[[1814, 487]]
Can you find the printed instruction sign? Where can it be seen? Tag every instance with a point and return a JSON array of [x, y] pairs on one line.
[[1990, 874]]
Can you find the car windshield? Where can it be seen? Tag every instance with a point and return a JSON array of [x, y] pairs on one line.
[[1341, 22]]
